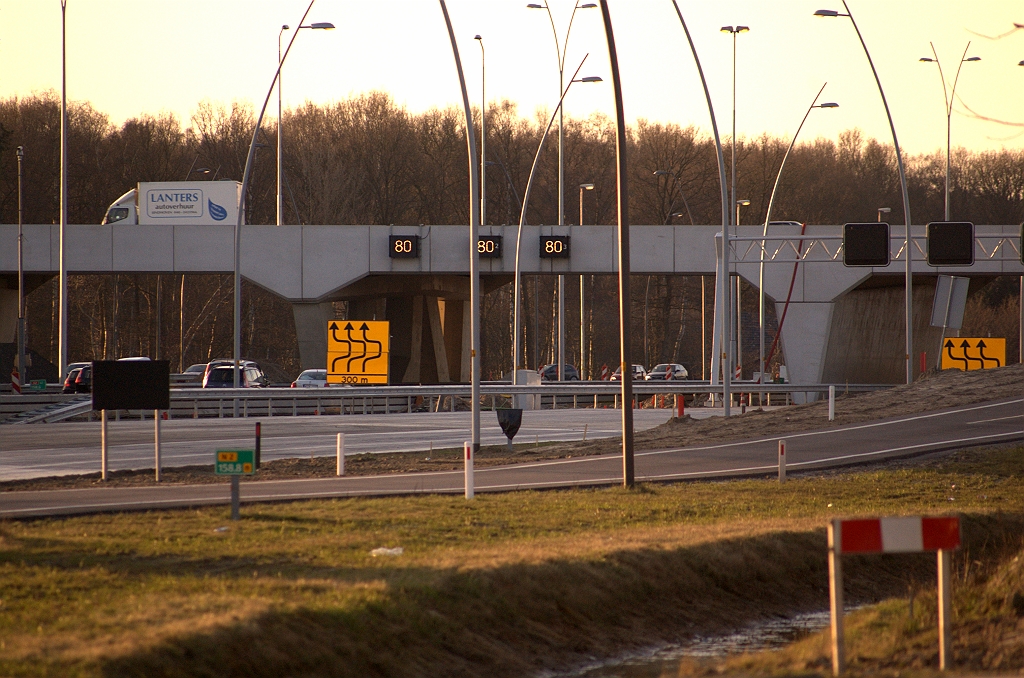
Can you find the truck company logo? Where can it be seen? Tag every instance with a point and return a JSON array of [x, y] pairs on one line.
[[164, 203], [217, 212]]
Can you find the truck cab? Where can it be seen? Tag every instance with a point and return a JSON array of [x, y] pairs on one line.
[[123, 210]]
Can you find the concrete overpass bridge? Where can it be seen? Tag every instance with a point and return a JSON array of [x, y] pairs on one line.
[[842, 324]]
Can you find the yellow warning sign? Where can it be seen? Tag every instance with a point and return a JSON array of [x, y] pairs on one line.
[[357, 351], [973, 354]]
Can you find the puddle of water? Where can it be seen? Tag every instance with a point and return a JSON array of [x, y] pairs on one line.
[[664, 661]]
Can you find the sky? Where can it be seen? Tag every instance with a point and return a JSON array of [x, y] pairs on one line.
[[134, 57]]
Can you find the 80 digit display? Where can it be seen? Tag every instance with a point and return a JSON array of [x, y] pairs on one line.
[[404, 246], [554, 247], [489, 246]]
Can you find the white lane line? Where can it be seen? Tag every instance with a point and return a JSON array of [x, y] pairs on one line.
[[985, 421], [843, 429]]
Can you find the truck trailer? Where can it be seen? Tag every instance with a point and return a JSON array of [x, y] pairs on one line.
[[204, 203]]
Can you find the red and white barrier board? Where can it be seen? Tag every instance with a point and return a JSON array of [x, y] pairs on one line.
[[899, 535]]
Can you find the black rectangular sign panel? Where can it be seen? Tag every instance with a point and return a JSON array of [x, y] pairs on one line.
[[489, 246], [404, 246], [131, 385], [554, 247], [950, 243], [866, 244]]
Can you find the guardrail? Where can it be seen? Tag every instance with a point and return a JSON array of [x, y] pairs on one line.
[[272, 402]]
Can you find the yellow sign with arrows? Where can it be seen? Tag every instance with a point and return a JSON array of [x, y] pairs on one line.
[[973, 354], [357, 351]]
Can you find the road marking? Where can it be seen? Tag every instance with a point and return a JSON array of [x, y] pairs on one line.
[[985, 421]]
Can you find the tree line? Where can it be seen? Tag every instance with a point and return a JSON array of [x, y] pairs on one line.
[[369, 160]]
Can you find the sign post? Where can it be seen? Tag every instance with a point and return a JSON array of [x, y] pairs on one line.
[[891, 535], [130, 385], [235, 463], [358, 351]]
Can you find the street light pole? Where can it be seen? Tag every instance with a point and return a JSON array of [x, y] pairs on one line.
[[483, 132], [322, 25], [583, 324], [522, 217], [767, 221], [909, 282], [560, 51], [62, 332], [21, 273], [725, 210], [739, 308], [948, 101], [474, 236]]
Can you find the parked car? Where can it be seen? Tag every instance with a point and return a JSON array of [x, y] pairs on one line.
[[550, 373], [639, 373], [666, 371], [75, 366], [311, 379], [69, 380], [224, 377], [225, 362]]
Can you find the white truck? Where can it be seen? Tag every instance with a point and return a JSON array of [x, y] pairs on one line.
[[204, 203]]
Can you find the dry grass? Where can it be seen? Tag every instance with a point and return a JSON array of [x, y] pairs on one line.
[[500, 586]]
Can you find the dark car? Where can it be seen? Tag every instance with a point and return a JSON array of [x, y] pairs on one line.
[[550, 373], [224, 377], [69, 381], [639, 373], [83, 382]]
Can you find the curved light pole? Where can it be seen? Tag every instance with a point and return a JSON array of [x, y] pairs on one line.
[[719, 311], [508, 179], [474, 236], [560, 49], [322, 25], [522, 216], [583, 187], [949, 102], [483, 131], [909, 284], [767, 220], [237, 275]]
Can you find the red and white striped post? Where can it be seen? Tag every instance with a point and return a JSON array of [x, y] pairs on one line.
[[467, 447], [891, 535], [782, 461], [15, 381]]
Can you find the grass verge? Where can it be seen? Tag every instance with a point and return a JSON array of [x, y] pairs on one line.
[[504, 585]]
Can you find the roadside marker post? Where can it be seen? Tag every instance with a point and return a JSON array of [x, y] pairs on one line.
[[235, 463], [831, 402], [782, 461], [156, 442], [892, 535], [340, 451], [468, 449]]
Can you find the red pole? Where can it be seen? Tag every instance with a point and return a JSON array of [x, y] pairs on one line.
[[681, 405], [924, 362]]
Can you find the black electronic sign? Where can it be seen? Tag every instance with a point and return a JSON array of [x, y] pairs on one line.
[[404, 246], [489, 246], [131, 385], [554, 247], [866, 244], [950, 243]]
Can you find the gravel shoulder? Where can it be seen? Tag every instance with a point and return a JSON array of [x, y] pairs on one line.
[[933, 391]]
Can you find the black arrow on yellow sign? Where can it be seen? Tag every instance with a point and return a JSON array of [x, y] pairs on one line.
[[984, 358], [366, 340], [949, 352]]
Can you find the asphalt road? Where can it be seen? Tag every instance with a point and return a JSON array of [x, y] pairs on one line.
[[990, 423], [39, 450]]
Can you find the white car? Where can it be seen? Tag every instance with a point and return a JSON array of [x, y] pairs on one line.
[[667, 371], [311, 379]]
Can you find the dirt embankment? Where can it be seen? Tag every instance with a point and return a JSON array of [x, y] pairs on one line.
[[933, 391]]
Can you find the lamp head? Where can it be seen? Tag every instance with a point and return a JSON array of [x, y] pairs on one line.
[[591, 78], [534, 5], [830, 104], [323, 25], [285, 27], [478, 37], [587, 5], [1020, 63], [726, 29], [975, 58], [661, 173], [927, 60], [20, 152], [743, 203], [742, 29], [826, 12], [586, 187]]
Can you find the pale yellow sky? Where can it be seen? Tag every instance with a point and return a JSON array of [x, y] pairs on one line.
[[128, 57]]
